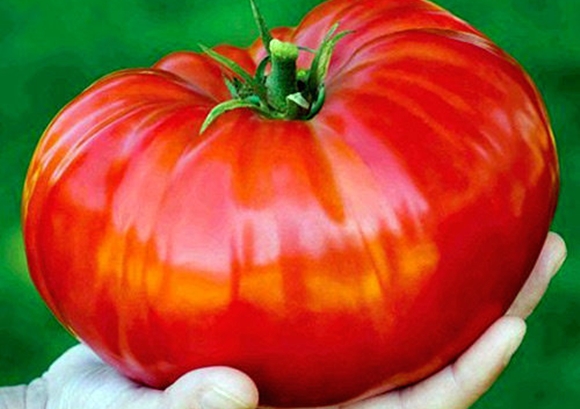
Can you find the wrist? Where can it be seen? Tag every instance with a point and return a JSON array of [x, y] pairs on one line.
[[32, 396], [13, 397]]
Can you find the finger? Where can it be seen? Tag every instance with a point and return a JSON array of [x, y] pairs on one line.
[[549, 262], [212, 388], [459, 385], [79, 379]]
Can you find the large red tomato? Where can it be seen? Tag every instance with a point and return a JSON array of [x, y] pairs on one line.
[[329, 257]]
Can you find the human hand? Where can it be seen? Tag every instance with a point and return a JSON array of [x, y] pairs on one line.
[[79, 379], [462, 383]]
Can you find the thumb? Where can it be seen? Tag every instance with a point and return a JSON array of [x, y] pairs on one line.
[[212, 388]]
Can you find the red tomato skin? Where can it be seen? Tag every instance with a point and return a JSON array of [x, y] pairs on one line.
[[329, 259]]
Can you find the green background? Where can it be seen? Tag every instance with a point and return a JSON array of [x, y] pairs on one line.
[[50, 50]]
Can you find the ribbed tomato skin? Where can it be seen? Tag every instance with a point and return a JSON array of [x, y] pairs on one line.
[[329, 259]]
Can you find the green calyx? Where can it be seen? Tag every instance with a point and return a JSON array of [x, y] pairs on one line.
[[285, 92]]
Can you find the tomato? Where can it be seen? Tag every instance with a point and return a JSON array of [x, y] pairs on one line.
[[330, 257]]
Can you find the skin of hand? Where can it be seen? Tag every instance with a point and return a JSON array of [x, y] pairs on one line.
[[79, 379]]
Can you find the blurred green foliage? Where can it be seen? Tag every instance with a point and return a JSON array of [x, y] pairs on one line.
[[52, 49]]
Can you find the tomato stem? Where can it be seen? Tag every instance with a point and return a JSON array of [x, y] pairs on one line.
[[285, 92], [282, 79]]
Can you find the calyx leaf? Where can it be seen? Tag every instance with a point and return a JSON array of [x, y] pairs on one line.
[[285, 92]]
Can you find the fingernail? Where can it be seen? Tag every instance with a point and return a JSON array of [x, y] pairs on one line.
[[558, 262], [515, 344], [218, 398], [559, 256]]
